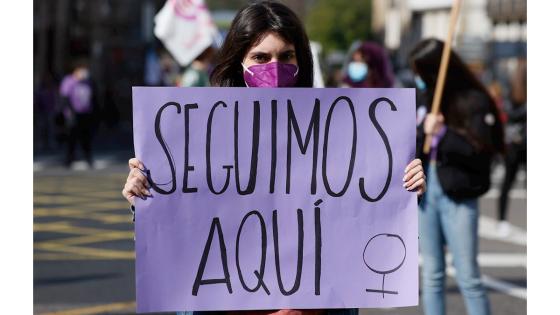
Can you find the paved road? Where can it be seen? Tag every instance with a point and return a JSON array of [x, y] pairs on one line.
[[84, 248]]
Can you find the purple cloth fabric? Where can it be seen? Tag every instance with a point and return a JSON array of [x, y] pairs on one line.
[[435, 141]]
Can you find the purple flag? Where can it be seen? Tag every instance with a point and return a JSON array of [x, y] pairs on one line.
[[270, 198]]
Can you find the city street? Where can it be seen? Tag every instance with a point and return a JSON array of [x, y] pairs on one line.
[[84, 244]]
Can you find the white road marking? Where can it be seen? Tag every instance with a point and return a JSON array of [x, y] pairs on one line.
[[493, 260], [515, 193], [498, 285], [487, 228]]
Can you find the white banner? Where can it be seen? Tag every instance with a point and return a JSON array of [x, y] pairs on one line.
[[186, 29]]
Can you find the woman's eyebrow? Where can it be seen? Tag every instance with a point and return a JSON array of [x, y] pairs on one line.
[[254, 53], [289, 50]]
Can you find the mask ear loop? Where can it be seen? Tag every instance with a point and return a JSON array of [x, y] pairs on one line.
[[297, 70], [247, 69], [250, 72]]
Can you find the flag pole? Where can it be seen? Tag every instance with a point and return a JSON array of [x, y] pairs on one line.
[[443, 68]]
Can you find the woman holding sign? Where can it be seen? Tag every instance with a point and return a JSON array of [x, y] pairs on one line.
[[465, 136], [265, 47]]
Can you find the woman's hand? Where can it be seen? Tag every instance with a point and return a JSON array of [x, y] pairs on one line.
[[136, 184], [414, 179], [433, 123]]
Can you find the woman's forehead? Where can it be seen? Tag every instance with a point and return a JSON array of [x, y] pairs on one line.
[[271, 42]]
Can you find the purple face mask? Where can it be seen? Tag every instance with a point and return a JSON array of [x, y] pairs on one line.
[[272, 74]]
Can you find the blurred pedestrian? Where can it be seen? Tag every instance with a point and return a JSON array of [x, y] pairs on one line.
[[369, 66], [45, 106], [266, 47], [197, 73], [516, 140], [465, 137], [170, 70], [77, 106]]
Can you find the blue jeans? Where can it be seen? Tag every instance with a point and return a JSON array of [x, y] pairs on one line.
[[443, 221], [342, 311]]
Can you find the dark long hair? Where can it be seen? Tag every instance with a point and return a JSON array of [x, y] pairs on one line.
[[463, 94], [248, 28]]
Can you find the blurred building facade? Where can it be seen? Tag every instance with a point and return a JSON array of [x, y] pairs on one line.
[[114, 35], [488, 31], [117, 37]]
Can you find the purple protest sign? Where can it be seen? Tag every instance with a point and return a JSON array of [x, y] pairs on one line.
[[275, 198]]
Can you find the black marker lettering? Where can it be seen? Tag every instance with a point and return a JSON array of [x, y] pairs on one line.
[[325, 148], [313, 127], [277, 254], [259, 273], [387, 147], [188, 168], [208, 145], [254, 151], [318, 246], [168, 154], [273, 150], [223, 254]]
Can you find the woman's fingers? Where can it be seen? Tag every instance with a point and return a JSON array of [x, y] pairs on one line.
[[412, 165], [419, 186], [140, 185], [415, 179], [136, 173], [128, 197], [134, 187], [412, 172], [137, 183], [130, 191], [143, 179], [410, 184], [135, 163]]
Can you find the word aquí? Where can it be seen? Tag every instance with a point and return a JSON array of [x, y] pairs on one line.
[[216, 234], [312, 134]]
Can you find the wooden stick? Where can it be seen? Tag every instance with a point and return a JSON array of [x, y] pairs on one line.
[[443, 68]]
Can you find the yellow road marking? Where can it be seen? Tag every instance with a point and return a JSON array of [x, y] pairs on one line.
[[90, 239], [84, 214], [90, 197], [66, 227], [121, 306], [96, 252], [65, 199], [68, 256]]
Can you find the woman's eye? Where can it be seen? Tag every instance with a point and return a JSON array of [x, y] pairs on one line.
[[287, 56], [260, 58]]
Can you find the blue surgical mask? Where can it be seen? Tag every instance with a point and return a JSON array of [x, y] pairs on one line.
[[419, 83], [357, 71]]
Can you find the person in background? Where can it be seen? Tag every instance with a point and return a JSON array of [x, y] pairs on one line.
[[170, 70], [465, 137], [266, 47], [497, 92], [45, 105], [197, 73], [516, 139], [76, 95], [369, 67]]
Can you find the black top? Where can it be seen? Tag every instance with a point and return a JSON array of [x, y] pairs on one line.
[[463, 167]]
